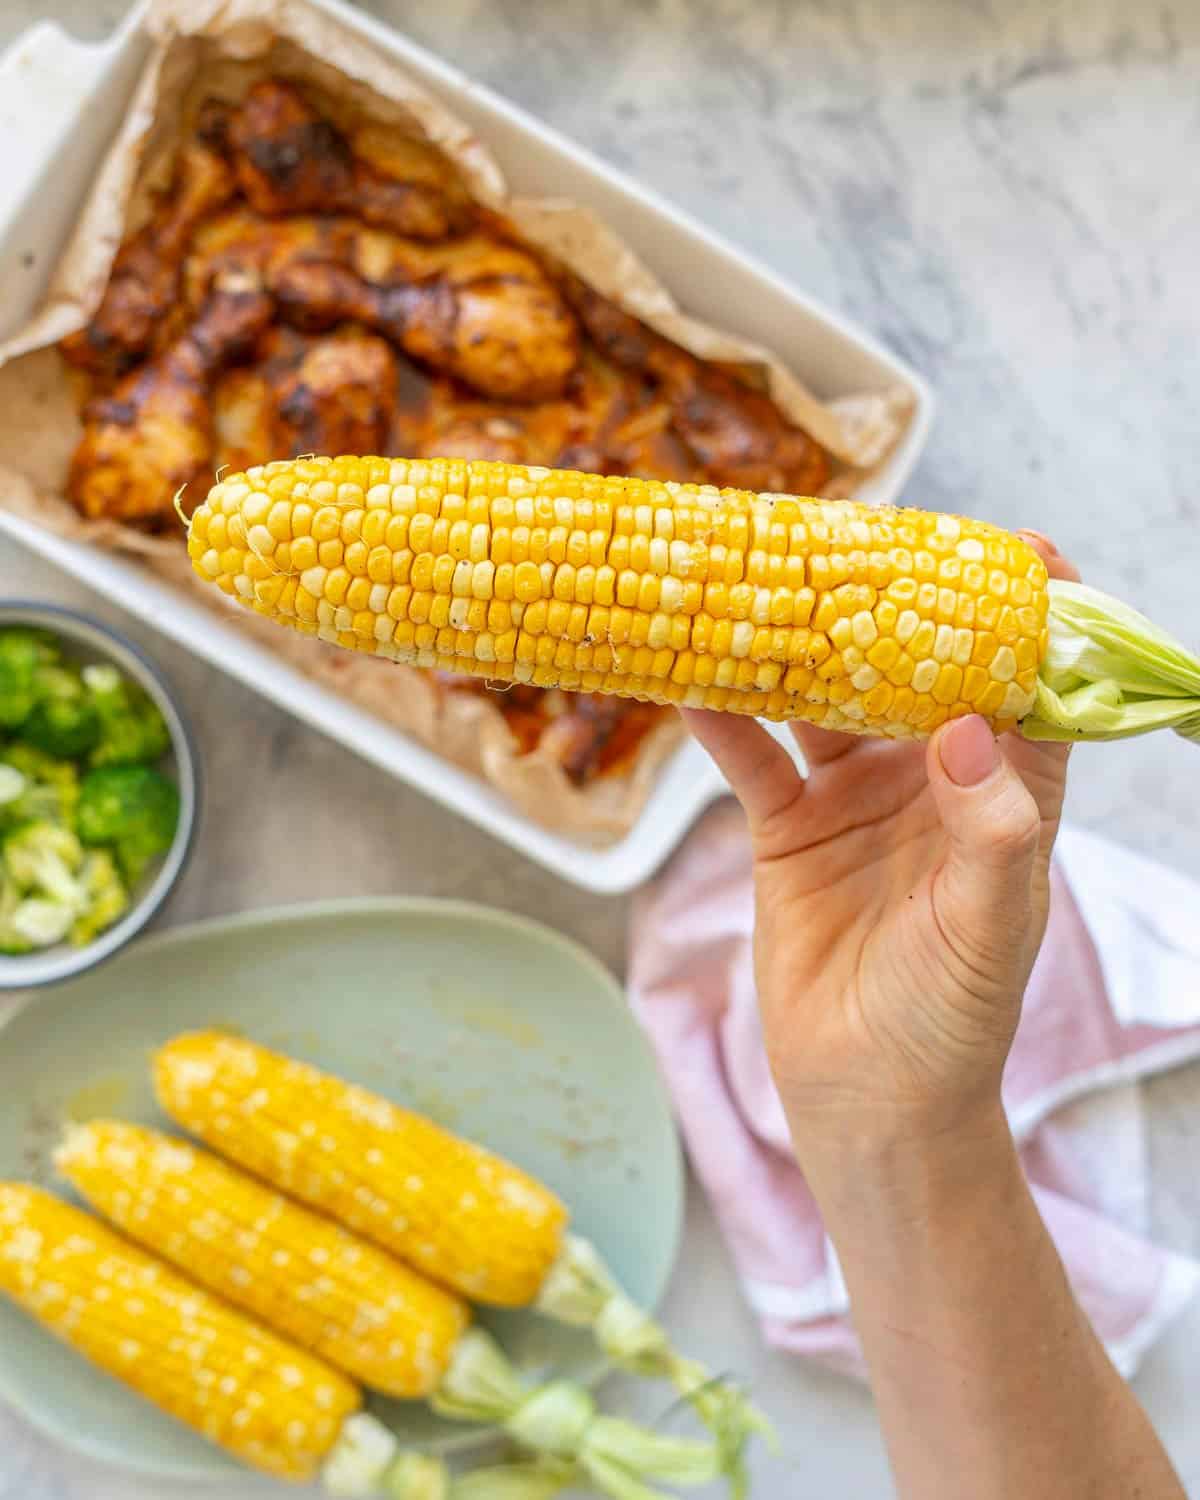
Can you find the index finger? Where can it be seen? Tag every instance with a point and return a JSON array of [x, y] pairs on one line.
[[760, 772]]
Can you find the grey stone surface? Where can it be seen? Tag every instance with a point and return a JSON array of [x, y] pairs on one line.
[[1000, 192]]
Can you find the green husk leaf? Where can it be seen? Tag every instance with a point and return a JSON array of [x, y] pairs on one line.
[[540, 1479], [673, 1459], [361, 1458], [559, 1420], [1110, 673], [416, 1476], [368, 1461], [582, 1291], [480, 1384]]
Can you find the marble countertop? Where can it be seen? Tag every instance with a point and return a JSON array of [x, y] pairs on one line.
[[993, 190]]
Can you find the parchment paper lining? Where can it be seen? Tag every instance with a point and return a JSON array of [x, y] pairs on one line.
[[222, 46]]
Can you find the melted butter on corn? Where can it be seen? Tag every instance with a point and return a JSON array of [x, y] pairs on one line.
[[877, 621], [299, 1273], [269, 1404], [456, 1212]]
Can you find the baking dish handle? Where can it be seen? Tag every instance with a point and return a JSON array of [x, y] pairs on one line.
[[60, 102]]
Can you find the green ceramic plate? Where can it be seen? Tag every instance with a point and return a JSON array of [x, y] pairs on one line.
[[494, 1026]]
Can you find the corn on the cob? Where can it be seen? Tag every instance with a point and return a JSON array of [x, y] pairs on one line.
[[269, 1404], [301, 1274], [283, 1411], [463, 1215], [458, 1213], [873, 621], [341, 1297]]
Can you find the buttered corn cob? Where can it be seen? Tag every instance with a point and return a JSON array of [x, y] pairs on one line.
[[283, 1410], [874, 621], [332, 1293], [352, 1303], [459, 1214], [269, 1404], [464, 1216]]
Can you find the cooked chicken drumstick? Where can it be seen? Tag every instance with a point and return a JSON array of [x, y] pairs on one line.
[[480, 310], [289, 160], [738, 434], [154, 434], [325, 395], [145, 275]]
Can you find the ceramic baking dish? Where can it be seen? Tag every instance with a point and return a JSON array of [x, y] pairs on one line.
[[60, 102]]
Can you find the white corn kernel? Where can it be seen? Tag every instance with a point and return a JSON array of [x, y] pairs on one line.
[[1004, 664]]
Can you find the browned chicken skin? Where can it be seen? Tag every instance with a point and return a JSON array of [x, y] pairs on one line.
[[737, 434], [480, 310], [476, 308], [606, 421], [340, 397], [153, 436], [327, 395], [240, 242], [145, 277], [289, 160], [588, 734]]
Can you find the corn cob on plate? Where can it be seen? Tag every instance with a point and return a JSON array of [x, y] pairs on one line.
[[871, 621], [491, 1023], [337, 1295], [464, 1216], [268, 1403]]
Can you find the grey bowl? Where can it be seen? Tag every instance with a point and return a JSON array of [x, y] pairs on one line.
[[85, 640]]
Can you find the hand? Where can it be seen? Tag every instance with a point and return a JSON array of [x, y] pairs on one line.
[[901, 896]]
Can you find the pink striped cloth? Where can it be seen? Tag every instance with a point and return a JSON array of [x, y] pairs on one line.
[[1115, 996]]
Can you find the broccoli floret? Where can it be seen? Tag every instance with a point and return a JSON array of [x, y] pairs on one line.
[[106, 895], [51, 787], [64, 720], [22, 654], [132, 730], [53, 680], [131, 809], [43, 859]]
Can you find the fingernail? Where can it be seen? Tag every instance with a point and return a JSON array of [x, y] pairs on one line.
[[1041, 537], [968, 751]]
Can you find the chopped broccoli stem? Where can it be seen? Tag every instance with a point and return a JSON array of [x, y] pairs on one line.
[[42, 922], [11, 941], [13, 784], [42, 859], [106, 895], [51, 787]]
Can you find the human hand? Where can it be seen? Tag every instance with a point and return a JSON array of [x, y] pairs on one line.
[[901, 894]]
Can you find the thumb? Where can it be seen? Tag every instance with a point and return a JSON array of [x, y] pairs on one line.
[[993, 826]]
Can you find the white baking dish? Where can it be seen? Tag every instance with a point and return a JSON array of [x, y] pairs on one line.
[[61, 100]]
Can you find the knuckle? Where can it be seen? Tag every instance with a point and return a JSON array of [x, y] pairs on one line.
[[1012, 827]]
